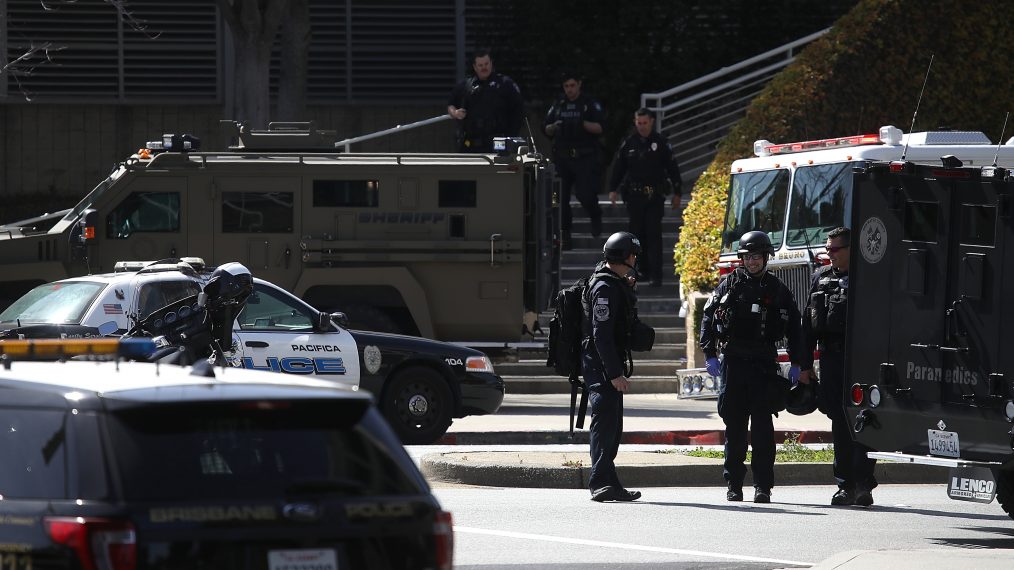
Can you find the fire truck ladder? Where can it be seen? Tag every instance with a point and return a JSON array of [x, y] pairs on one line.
[[696, 115]]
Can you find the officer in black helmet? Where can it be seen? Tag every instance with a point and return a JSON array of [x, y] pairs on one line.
[[610, 308], [748, 313], [824, 326]]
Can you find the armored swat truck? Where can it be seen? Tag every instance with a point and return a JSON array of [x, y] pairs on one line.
[[454, 247], [932, 265]]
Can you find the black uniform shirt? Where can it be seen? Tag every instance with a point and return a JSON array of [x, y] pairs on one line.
[[809, 336], [608, 304], [493, 107], [646, 162], [771, 291], [571, 134]]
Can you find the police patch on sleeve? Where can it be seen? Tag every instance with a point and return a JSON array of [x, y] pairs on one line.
[[602, 310]]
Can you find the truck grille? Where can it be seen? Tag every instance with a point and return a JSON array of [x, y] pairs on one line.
[[797, 279]]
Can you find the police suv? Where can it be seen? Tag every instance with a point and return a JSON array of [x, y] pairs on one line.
[[929, 310], [420, 384], [132, 465]]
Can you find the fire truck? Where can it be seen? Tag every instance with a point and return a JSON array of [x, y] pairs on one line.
[[797, 192], [928, 350]]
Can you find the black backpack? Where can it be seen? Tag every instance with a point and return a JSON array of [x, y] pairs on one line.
[[565, 336]]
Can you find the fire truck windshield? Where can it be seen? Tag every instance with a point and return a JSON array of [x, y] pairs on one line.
[[821, 201], [757, 201]]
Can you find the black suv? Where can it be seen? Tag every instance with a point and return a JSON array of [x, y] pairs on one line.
[[131, 465]]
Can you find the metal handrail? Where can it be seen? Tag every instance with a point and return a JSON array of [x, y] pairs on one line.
[[709, 106], [398, 128]]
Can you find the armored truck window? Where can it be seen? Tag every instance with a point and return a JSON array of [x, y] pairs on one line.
[[921, 221], [144, 212], [57, 303], [821, 201], [978, 224], [457, 194], [346, 193], [264, 311], [757, 202], [257, 212], [33, 445]]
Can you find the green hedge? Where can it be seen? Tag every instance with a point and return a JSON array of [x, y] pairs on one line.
[[865, 73]]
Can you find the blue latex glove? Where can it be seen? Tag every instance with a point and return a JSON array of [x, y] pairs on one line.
[[713, 366], [794, 374]]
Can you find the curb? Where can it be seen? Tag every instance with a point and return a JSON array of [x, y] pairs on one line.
[[674, 437], [511, 471]]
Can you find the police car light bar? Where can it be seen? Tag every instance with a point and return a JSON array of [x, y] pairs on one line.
[[888, 135], [56, 349]]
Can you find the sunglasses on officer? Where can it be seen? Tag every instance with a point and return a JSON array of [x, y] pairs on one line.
[[835, 249], [753, 256]]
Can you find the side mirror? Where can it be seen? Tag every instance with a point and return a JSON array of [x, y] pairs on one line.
[[341, 318]]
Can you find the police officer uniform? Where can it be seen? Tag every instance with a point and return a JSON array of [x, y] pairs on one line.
[[577, 157], [746, 315], [640, 171], [824, 326], [610, 308], [493, 107]]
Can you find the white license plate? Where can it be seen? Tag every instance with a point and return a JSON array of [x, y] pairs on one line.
[[306, 559], [943, 443]]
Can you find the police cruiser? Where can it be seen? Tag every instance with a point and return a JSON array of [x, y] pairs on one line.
[[420, 384], [120, 465], [928, 349]]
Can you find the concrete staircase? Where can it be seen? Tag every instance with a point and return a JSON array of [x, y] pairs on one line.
[[654, 371]]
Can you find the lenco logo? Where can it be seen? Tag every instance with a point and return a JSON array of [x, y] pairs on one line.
[[972, 488]]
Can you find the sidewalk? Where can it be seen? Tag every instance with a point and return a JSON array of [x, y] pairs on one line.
[[648, 419]]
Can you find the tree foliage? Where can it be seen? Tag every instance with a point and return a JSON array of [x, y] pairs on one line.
[[865, 73]]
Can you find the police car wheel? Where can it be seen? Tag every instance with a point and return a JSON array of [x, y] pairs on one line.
[[418, 404], [1005, 491]]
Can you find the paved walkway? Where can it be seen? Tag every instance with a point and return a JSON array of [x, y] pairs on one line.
[[526, 419]]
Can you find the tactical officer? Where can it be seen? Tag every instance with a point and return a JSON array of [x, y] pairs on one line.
[[824, 326], [642, 167], [748, 313], [610, 308], [574, 123], [486, 105]]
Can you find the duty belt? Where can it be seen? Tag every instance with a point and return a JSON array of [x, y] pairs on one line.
[[647, 190]]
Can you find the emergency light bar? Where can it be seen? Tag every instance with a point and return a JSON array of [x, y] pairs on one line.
[[57, 349], [888, 135]]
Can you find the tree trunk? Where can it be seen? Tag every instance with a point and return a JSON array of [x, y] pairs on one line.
[[253, 24], [295, 49]]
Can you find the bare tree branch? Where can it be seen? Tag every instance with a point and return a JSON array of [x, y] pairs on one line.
[[25, 65], [121, 6]]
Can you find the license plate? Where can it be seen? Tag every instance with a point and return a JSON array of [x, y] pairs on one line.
[[944, 443], [306, 559]]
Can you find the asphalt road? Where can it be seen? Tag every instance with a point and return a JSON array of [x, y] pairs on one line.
[[910, 526]]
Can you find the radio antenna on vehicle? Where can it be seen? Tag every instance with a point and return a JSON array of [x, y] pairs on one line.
[[999, 143], [917, 103], [531, 135]]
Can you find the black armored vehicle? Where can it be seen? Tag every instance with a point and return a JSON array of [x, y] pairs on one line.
[[931, 360]]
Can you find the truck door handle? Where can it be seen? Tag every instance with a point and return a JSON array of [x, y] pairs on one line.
[[256, 344], [493, 239]]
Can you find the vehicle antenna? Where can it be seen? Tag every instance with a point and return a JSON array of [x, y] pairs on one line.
[[917, 103], [531, 135], [999, 143]]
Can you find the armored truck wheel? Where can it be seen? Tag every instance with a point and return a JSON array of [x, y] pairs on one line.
[[418, 404], [1005, 491]]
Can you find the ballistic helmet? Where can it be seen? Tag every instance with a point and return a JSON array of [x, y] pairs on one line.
[[620, 246], [755, 242], [802, 399]]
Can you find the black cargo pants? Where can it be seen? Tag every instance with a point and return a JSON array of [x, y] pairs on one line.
[[745, 400], [645, 217], [579, 174], [852, 468], [604, 435]]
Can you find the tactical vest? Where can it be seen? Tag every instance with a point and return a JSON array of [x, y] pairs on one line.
[[629, 306], [749, 312], [829, 305]]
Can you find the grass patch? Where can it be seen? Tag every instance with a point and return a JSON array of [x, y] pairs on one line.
[[790, 451]]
